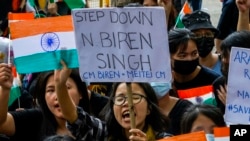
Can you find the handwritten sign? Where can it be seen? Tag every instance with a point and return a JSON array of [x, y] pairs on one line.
[[122, 44], [238, 94]]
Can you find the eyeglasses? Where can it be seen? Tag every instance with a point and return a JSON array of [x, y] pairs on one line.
[[207, 35], [120, 100]]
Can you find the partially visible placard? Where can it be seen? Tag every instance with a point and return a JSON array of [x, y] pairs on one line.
[[238, 91]]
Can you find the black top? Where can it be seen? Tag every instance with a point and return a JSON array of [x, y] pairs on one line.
[[175, 116], [205, 77], [228, 19], [97, 102], [28, 124]]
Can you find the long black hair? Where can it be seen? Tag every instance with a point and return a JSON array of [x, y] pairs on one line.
[[194, 111], [49, 125], [178, 39], [156, 119]]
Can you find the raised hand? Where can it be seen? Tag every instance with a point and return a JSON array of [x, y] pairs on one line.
[[6, 77], [61, 75], [243, 5]]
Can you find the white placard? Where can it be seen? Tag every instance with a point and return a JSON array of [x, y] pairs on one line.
[[127, 44], [238, 94]]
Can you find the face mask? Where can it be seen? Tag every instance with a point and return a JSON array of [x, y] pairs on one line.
[[205, 45], [161, 89], [210, 137], [185, 67]]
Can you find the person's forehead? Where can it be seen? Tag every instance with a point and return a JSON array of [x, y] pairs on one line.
[[202, 30], [191, 46]]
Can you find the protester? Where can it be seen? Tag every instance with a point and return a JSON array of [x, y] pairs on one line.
[[150, 123], [196, 4], [190, 78], [227, 22], [200, 24], [243, 20], [236, 39], [47, 119], [150, 3], [59, 138], [178, 4], [170, 11], [171, 106], [202, 117], [122, 3]]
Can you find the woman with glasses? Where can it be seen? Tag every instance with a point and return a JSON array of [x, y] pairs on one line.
[[150, 123]]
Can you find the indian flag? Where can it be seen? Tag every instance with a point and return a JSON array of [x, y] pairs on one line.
[[198, 95], [6, 51], [30, 6], [194, 136], [6, 56], [72, 3], [16, 17], [221, 134], [15, 91], [40, 44], [186, 9]]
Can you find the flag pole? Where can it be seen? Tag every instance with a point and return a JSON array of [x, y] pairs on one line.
[[131, 105]]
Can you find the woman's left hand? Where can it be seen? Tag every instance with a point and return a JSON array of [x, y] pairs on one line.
[[137, 135], [222, 94], [62, 75]]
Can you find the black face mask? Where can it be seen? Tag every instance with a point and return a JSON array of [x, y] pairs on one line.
[[185, 67], [205, 45]]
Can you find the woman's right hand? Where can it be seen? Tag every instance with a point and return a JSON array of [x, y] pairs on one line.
[[243, 5]]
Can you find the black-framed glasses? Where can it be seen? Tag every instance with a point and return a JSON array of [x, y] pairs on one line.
[[120, 100]]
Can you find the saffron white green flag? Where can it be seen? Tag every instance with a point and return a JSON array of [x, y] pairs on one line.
[[16, 17], [198, 95], [221, 134], [15, 92], [40, 44], [8, 54], [72, 3], [186, 9], [30, 6], [194, 136]]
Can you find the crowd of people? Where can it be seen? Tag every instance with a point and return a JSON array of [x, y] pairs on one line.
[[60, 106]]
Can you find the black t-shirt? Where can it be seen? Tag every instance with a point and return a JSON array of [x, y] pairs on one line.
[[205, 77], [97, 102], [175, 116], [28, 124], [228, 19]]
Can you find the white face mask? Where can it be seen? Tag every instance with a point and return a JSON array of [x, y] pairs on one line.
[[161, 89], [210, 137]]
